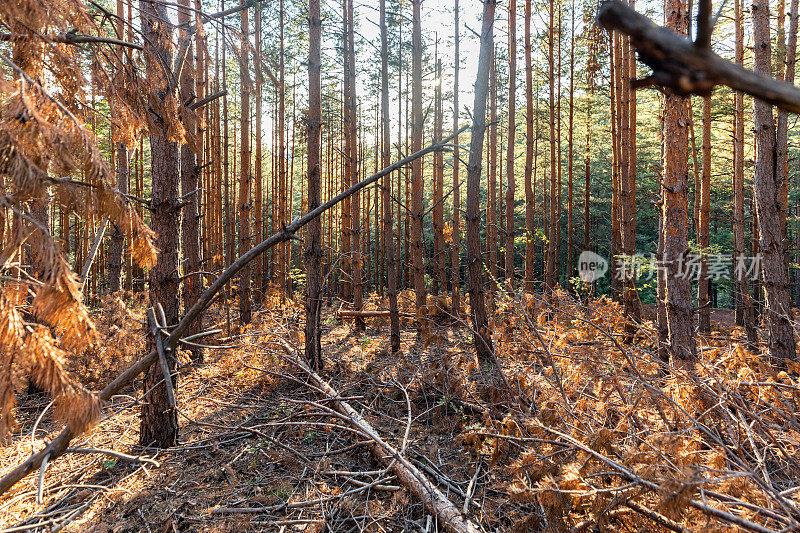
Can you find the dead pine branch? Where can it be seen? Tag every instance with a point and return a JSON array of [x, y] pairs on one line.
[[59, 444], [435, 502], [687, 67]]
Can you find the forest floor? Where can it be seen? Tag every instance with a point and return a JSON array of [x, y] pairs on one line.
[[590, 434]]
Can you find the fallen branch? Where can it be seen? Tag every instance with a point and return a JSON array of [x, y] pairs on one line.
[[60, 443], [690, 68], [349, 313], [434, 501]]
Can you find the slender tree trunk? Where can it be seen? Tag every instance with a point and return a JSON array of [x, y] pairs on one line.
[[703, 302], [744, 308], [530, 198], [570, 150], [159, 422], [455, 246], [190, 174], [682, 348], [245, 313], [388, 223], [258, 200], [483, 337], [766, 192], [117, 236], [283, 249], [491, 202], [438, 188], [114, 264], [552, 235], [416, 167], [512, 138], [313, 245]]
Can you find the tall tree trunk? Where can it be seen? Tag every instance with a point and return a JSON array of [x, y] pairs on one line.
[[552, 234], [245, 313], [355, 201], [483, 337], [627, 178], [416, 145], [512, 138], [114, 264], [258, 199], [159, 421], [455, 245], [570, 149], [530, 198], [388, 223], [438, 187], [283, 250], [491, 202], [766, 192], [190, 174], [744, 303], [682, 348], [782, 130], [704, 239], [313, 245]]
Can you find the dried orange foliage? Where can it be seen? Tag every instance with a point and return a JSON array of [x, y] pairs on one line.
[[45, 145], [611, 423]]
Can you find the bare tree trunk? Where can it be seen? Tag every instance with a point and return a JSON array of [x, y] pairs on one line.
[[245, 313], [352, 155], [416, 167], [483, 338], [388, 223], [491, 201], [766, 192], [552, 235], [313, 251], [570, 267], [744, 308], [674, 190], [512, 138], [530, 198], [190, 174], [117, 236], [438, 188], [159, 421], [455, 245], [704, 239], [258, 199]]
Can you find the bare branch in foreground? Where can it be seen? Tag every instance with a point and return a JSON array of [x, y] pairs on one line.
[[687, 68]]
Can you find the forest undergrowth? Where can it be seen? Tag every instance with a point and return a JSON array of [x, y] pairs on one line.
[[592, 432]]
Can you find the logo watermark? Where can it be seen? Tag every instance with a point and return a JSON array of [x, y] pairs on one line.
[[592, 267]]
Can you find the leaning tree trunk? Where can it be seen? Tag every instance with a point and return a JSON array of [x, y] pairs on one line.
[[313, 253], [682, 348], [483, 337], [766, 192], [159, 421]]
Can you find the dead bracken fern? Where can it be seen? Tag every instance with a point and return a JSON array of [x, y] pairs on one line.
[[49, 154]]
